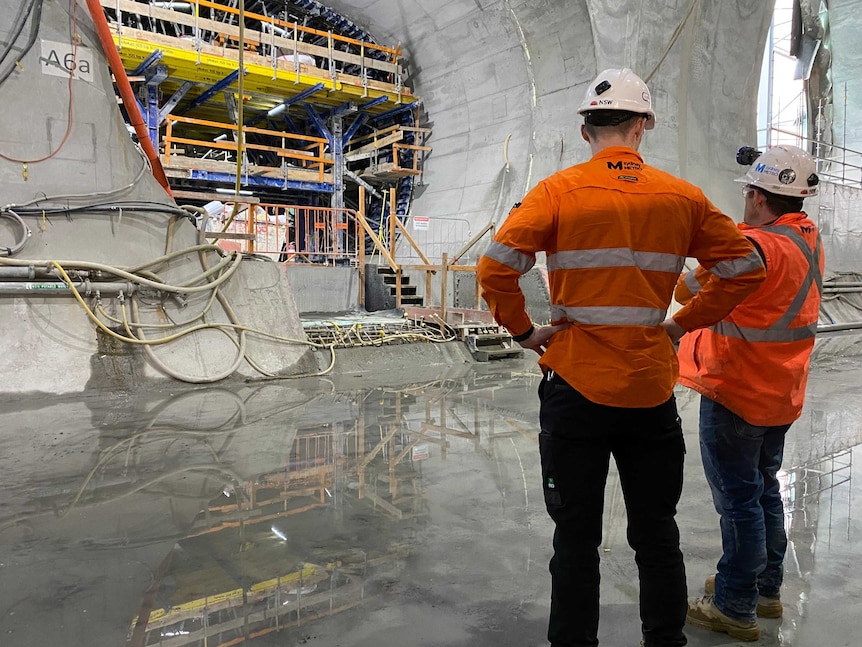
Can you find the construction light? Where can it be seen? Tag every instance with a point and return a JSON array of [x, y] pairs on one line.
[[277, 110]]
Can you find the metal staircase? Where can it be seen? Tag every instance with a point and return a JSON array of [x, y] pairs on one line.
[[409, 293]]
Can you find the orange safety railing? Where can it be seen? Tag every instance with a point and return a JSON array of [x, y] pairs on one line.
[[416, 167], [310, 157], [293, 233], [329, 236], [392, 53]]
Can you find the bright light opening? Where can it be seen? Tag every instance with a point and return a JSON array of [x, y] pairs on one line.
[[782, 110]]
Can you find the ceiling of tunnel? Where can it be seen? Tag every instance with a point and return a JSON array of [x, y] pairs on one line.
[[500, 82]]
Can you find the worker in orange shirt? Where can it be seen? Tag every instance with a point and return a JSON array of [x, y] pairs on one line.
[[616, 233], [751, 369]]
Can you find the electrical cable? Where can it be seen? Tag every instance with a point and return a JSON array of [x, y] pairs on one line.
[[224, 269], [130, 205], [101, 310], [63, 141], [25, 233], [273, 378], [74, 196], [34, 11], [175, 374]]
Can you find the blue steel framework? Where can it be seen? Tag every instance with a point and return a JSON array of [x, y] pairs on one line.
[[338, 133]]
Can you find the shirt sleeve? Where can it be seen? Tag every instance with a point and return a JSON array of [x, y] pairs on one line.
[[730, 269], [527, 230], [689, 284], [692, 282]]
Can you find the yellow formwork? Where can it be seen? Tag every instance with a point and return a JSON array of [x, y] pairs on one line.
[[264, 85]]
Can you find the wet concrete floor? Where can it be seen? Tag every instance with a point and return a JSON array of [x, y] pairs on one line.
[[334, 512]]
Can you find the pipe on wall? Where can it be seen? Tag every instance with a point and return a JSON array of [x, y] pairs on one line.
[[42, 288], [837, 327], [126, 92]]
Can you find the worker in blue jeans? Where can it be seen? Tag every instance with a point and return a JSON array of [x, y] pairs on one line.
[[752, 530], [751, 369]]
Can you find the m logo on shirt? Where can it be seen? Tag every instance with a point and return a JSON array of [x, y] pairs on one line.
[[627, 165]]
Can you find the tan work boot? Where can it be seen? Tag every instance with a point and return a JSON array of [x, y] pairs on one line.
[[704, 614], [766, 607]]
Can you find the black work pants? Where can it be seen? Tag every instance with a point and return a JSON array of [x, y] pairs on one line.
[[576, 441]]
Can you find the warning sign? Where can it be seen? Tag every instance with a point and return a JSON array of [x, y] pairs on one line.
[[61, 59], [421, 222]]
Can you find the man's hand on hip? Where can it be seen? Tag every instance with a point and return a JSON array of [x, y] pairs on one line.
[[538, 341], [673, 330]]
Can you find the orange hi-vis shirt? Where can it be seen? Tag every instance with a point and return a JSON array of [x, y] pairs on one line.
[[617, 233], [755, 361]]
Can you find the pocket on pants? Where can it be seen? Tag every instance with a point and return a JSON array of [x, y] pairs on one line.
[[551, 486], [746, 430]]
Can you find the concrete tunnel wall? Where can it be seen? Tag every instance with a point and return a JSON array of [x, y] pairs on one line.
[[48, 343], [507, 76]]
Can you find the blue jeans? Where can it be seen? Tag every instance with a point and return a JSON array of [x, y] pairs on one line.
[[740, 461]]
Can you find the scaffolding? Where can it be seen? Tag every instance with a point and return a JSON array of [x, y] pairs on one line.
[[787, 99], [305, 97]]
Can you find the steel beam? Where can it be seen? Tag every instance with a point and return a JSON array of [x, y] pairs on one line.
[[171, 103], [398, 110], [251, 180], [151, 60], [355, 126], [214, 90]]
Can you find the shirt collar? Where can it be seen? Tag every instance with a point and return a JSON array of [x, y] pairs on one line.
[[786, 219], [617, 152]]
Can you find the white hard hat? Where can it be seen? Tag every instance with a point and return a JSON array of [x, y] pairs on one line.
[[785, 170], [619, 90]]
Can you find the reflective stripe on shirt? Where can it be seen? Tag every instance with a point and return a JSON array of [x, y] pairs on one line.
[[692, 283], [736, 266], [609, 315], [615, 257], [730, 329], [509, 257], [812, 278], [780, 331]]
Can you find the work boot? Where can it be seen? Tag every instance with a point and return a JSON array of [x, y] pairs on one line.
[[766, 607], [703, 613]]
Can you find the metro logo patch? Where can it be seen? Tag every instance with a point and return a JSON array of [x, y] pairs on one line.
[[626, 165], [766, 170]]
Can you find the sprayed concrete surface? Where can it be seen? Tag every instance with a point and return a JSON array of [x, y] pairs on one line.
[[389, 508]]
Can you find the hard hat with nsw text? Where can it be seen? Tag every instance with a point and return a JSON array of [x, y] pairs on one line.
[[619, 89]]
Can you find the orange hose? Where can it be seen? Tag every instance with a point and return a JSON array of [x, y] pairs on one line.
[[126, 92]]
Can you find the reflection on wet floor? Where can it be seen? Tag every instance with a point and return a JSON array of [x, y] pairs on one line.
[[329, 512]]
